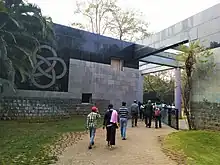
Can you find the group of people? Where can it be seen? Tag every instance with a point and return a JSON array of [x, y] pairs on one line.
[[149, 112], [114, 119]]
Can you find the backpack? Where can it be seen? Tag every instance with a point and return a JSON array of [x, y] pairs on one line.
[[157, 112], [134, 109]]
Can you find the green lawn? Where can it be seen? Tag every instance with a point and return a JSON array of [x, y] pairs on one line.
[[200, 147], [23, 143]]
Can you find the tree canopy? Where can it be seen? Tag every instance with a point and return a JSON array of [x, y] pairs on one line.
[[162, 83], [106, 17]]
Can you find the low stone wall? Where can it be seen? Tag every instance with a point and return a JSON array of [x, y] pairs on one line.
[[22, 108], [207, 115]]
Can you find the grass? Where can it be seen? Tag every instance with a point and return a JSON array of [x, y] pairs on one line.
[[198, 147], [23, 143]]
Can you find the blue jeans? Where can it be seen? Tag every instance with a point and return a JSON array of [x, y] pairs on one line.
[[123, 126], [92, 131]]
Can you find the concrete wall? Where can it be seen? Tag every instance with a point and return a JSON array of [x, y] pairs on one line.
[[206, 97], [105, 82], [204, 26]]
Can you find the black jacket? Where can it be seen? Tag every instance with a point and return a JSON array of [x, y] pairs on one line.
[[148, 110]]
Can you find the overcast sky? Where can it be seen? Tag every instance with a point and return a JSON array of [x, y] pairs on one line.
[[159, 13]]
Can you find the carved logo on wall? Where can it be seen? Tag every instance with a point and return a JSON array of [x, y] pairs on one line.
[[49, 72]]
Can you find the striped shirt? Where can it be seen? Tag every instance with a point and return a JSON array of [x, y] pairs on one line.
[[92, 119], [123, 112]]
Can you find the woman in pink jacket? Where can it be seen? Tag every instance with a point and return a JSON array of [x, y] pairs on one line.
[[111, 124]]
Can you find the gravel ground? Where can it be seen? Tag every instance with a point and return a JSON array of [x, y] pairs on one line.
[[141, 148]]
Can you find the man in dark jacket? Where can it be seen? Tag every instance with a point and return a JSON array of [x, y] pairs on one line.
[[148, 113], [134, 113]]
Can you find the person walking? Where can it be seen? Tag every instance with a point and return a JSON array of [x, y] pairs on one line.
[[157, 115], [141, 111], [92, 124], [111, 124], [148, 113], [134, 113], [123, 119]]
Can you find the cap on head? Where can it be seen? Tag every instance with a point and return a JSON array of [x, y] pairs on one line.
[[94, 109], [135, 101]]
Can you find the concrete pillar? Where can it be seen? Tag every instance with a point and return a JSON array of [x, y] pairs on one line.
[[178, 96], [139, 93]]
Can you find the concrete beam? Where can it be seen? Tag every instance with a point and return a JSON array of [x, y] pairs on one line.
[[155, 69], [142, 63], [145, 51], [148, 66], [161, 61]]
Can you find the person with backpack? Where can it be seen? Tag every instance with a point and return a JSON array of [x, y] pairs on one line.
[[157, 115], [134, 113], [148, 113]]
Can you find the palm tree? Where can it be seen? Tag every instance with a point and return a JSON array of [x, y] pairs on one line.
[[192, 56], [22, 29]]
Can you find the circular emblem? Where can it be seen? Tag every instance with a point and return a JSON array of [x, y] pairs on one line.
[[50, 71]]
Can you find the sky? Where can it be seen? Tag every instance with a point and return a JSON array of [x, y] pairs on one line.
[[159, 13]]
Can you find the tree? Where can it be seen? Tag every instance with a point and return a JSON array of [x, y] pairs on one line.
[[195, 58], [105, 17], [161, 83], [97, 13], [128, 25], [22, 28]]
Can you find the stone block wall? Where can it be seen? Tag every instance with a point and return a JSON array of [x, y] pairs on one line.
[[207, 115], [106, 85], [21, 108], [205, 104], [105, 82]]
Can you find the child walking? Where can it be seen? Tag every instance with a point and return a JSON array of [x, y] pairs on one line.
[[92, 124]]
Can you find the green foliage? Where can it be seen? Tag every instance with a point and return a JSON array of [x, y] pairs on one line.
[[24, 143], [106, 17], [199, 147], [195, 58], [161, 83], [193, 55], [22, 28]]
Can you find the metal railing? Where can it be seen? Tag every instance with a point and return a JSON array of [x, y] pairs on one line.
[[170, 116]]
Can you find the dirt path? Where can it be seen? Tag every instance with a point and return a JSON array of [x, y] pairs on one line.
[[140, 148]]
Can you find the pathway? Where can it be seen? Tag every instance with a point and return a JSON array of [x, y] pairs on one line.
[[140, 148]]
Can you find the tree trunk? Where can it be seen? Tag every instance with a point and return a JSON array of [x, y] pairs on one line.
[[187, 93], [96, 18], [120, 37], [188, 119]]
